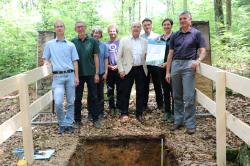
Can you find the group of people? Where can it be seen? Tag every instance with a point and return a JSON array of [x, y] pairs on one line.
[[120, 63]]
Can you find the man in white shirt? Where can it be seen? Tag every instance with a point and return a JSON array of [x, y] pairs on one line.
[[131, 65], [153, 71]]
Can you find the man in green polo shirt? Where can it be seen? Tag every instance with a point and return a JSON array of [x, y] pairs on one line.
[[88, 50]]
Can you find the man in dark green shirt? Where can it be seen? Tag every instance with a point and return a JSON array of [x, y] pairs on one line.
[[88, 50]]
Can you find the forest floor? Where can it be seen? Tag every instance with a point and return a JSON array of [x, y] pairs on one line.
[[196, 149]]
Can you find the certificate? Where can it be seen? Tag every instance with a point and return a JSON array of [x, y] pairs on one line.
[[155, 52]]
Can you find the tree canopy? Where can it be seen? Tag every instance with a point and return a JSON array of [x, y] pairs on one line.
[[21, 19]]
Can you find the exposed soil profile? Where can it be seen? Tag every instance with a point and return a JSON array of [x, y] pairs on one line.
[[121, 151]]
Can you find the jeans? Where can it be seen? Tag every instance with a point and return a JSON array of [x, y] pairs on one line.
[[138, 76], [112, 81], [64, 83], [183, 84], [92, 98], [168, 104], [154, 72]]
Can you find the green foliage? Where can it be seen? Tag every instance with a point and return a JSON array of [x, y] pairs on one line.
[[20, 21]]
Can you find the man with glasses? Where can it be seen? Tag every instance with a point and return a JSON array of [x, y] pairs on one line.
[[63, 56], [88, 50]]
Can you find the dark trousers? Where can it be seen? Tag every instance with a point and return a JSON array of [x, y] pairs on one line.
[[167, 93], [154, 72], [113, 82], [92, 98], [100, 94], [136, 74]]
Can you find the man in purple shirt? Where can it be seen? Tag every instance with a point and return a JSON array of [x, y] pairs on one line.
[[184, 59], [113, 79]]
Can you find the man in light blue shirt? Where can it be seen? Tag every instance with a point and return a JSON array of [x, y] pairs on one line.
[[63, 57]]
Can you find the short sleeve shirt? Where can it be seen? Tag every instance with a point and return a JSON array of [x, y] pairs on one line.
[[61, 53], [186, 45], [167, 46], [86, 49], [112, 51], [102, 56]]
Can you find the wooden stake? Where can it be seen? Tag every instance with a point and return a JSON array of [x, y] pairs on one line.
[[221, 118], [26, 119]]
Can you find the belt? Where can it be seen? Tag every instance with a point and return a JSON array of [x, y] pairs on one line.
[[182, 58], [62, 72]]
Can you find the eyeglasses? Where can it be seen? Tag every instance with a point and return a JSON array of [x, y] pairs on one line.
[[59, 26], [80, 26]]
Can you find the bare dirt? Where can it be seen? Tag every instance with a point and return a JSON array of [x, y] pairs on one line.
[[197, 149]]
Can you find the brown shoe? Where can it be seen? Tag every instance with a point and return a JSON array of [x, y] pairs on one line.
[[124, 119], [190, 131], [176, 127]]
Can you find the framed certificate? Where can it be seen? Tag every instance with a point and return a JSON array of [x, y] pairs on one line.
[[155, 52]]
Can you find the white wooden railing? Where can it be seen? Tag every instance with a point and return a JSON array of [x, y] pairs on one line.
[[217, 108], [23, 118]]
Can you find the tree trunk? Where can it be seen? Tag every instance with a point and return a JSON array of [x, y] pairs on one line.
[[219, 17], [185, 5], [229, 14]]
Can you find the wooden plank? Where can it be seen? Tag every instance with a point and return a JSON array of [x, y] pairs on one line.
[[40, 103], [206, 102], [26, 120], [208, 71], [239, 128], [37, 74], [8, 86], [221, 118], [9, 127], [238, 83]]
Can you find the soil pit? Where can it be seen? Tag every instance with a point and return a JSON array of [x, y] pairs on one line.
[[122, 151]]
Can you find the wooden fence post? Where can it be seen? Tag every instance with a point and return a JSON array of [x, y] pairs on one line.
[[221, 118], [26, 119]]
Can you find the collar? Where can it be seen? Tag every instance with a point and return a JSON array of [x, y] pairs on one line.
[[57, 40], [84, 38], [189, 31]]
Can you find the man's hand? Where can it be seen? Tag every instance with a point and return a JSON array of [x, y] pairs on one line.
[[96, 78], [113, 68], [163, 65], [195, 64], [167, 77], [46, 63], [104, 77], [122, 75], [76, 81]]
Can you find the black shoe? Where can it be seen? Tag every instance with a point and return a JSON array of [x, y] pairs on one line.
[[77, 124], [176, 127], [61, 130], [97, 124], [190, 131]]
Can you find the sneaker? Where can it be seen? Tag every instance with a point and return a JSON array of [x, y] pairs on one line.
[[190, 131], [70, 129], [61, 130], [97, 124]]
